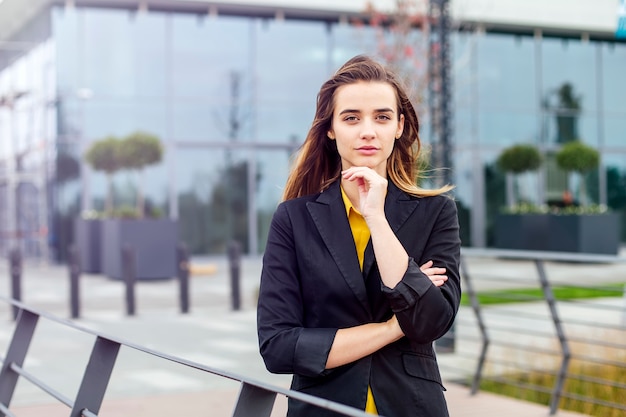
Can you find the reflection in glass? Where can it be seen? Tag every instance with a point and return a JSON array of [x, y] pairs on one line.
[[272, 166], [213, 191], [292, 63]]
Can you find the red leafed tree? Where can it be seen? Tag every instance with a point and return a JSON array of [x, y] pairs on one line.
[[402, 42]]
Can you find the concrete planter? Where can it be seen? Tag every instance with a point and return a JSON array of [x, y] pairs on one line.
[[521, 231], [579, 233], [585, 233], [154, 242], [88, 241]]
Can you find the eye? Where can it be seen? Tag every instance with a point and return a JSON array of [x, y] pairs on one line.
[[350, 118], [383, 116]]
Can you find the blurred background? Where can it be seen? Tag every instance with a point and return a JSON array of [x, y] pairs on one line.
[[228, 91]]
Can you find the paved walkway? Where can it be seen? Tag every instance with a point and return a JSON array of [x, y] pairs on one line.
[[210, 334]]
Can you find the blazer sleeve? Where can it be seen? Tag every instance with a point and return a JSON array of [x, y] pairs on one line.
[[426, 312], [285, 344]]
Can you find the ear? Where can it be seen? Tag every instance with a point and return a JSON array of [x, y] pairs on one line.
[[331, 135], [400, 126]]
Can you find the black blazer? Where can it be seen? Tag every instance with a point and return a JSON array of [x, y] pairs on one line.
[[312, 285]]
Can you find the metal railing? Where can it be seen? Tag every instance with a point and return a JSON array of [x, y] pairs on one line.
[[255, 398], [532, 330], [538, 333]]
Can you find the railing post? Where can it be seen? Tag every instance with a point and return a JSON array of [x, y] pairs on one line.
[[549, 296], [96, 377], [471, 293], [74, 269], [129, 275], [183, 276], [15, 263], [254, 402], [234, 257], [22, 336]]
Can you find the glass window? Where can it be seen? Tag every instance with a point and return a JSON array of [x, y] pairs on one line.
[[197, 119], [569, 89], [121, 116], [350, 40], [506, 93], [615, 129], [213, 196], [506, 126], [65, 32], [211, 79], [149, 32], [614, 94], [292, 64], [108, 54], [272, 169]]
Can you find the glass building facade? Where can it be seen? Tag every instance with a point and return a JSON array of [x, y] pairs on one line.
[[232, 98]]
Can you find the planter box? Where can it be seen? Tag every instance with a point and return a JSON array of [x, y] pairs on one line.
[[521, 231], [585, 233], [153, 240], [88, 241]]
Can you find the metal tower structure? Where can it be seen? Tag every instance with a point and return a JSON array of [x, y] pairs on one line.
[[440, 86]]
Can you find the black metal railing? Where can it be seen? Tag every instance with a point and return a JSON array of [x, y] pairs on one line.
[[540, 333], [255, 398]]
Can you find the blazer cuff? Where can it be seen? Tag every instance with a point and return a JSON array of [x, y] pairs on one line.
[[312, 349], [412, 287]]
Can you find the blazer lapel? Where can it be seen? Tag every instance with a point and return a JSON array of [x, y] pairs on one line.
[[398, 208], [329, 214]]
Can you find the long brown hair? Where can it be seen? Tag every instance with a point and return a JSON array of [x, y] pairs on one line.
[[318, 163]]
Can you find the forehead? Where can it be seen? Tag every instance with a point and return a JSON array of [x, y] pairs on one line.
[[364, 95]]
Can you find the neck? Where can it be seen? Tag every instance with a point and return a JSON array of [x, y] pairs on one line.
[[352, 191]]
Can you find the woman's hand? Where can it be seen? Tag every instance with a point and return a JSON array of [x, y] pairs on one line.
[[436, 275], [372, 190]]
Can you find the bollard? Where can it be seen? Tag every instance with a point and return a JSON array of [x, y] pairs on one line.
[[183, 276], [15, 262], [128, 274], [74, 269], [234, 258]]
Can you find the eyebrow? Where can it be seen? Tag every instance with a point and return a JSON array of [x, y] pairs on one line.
[[382, 110]]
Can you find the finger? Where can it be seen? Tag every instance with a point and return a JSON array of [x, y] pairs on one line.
[[438, 277], [427, 265], [434, 271]]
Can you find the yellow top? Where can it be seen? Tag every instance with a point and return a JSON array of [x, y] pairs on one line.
[[361, 234]]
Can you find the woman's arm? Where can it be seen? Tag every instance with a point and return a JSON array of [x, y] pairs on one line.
[[424, 312], [357, 342], [354, 343]]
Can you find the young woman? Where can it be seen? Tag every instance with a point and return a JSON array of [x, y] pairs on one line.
[[344, 305]]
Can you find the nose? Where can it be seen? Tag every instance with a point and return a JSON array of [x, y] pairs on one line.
[[367, 129]]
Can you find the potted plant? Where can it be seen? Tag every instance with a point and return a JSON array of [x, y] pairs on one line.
[[521, 225], [101, 237], [102, 156], [517, 160], [137, 151], [153, 239], [585, 228]]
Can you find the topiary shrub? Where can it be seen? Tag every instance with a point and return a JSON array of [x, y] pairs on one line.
[[518, 159], [137, 151], [103, 155], [579, 158]]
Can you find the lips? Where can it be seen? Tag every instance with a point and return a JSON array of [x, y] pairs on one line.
[[367, 150]]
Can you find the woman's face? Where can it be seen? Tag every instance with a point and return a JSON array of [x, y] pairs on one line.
[[366, 124]]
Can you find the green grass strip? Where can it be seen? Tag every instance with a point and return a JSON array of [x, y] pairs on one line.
[[518, 295]]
